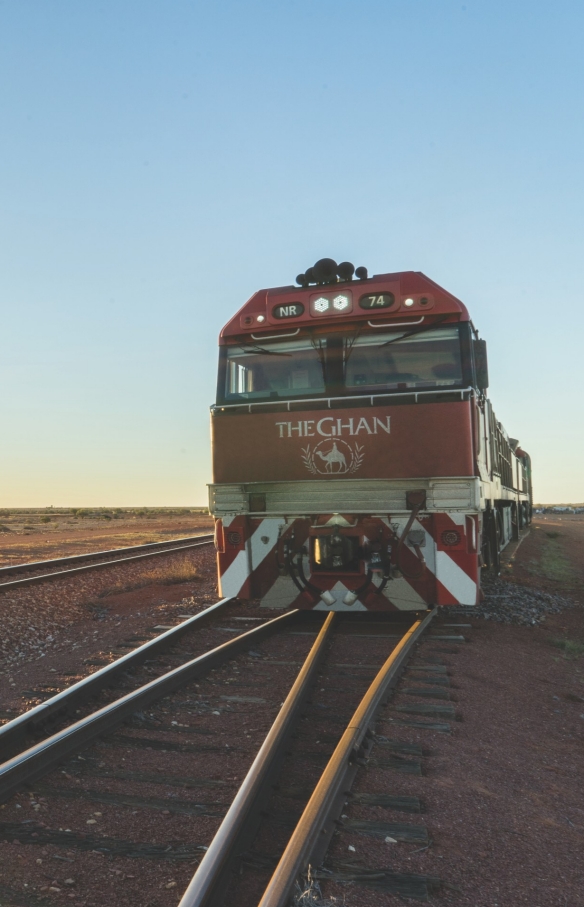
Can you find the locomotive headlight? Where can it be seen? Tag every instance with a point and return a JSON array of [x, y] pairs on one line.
[[340, 302], [409, 302], [322, 304], [261, 318]]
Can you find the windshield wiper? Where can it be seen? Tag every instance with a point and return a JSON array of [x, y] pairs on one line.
[[421, 330], [253, 348]]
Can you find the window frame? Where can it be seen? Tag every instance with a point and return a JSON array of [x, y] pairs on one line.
[[468, 378]]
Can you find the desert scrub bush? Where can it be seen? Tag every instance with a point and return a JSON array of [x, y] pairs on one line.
[[179, 572], [570, 647], [45, 519]]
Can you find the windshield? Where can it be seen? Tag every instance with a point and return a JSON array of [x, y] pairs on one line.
[[280, 369], [341, 364], [428, 359]]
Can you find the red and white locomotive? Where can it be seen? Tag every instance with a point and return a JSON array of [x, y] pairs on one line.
[[358, 464]]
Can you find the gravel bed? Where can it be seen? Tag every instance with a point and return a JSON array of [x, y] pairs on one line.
[[189, 750], [34, 616], [500, 792], [511, 603], [330, 706], [64, 639]]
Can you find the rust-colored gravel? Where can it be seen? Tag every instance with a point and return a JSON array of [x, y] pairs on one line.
[[137, 809], [35, 618], [349, 666], [502, 792]]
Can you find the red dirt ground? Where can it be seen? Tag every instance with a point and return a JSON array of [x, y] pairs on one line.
[[503, 792], [552, 556], [68, 534]]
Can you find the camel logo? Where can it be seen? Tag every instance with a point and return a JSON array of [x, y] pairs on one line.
[[333, 459]]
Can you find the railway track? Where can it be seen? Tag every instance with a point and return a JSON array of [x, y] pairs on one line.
[[176, 790], [25, 727], [288, 774], [46, 571]]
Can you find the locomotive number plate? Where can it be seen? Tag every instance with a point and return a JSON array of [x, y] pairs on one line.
[[290, 310], [377, 301]]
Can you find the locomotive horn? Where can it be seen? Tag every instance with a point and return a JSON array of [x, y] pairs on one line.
[[310, 278], [345, 270], [325, 270], [361, 273], [301, 279]]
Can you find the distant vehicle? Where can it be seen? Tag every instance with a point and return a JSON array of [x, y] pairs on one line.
[[358, 463]]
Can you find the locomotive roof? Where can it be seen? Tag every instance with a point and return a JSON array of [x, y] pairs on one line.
[[403, 298]]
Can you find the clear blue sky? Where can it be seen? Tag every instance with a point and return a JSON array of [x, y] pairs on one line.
[[160, 161]]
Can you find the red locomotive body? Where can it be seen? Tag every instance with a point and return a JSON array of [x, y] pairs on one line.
[[357, 462]]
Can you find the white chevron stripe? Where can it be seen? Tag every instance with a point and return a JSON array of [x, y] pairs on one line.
[[268, 529], [447, 571], [232, 580], [453, 578], [256, 551]]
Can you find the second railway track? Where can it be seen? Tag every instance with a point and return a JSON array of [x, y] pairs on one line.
[[50, 570], [190, 732]]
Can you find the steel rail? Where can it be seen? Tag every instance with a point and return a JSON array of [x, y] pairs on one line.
[[45, 577], [39, 759], [13, 733], [317, 823], [89, 555], [240, 823]]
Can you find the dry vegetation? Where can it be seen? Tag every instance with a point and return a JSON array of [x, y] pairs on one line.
[[181, 571], [35, 534], [59, 518]]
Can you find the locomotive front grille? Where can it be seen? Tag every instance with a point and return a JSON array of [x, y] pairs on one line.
[[340, 496]]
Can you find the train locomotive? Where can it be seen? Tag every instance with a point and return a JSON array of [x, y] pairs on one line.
[[357, 461]]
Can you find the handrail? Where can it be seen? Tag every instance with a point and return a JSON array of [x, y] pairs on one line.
[[275, 336], [395, 324], [357, 397]]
